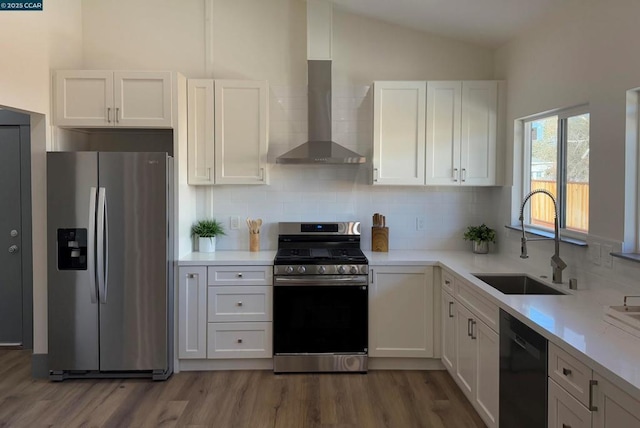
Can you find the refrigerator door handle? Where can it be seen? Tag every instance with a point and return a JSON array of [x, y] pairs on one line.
[[103, 244], [91, 246]]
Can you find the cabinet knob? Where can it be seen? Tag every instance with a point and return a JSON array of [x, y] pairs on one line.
[[239, 275], [446, 281], [239, 304], [239, 340], [191, 275], [566, 371]]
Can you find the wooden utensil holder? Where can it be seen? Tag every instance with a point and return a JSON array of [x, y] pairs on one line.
[[254, 242], [380, 239]]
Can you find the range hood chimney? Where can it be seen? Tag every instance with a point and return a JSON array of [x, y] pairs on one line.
[[320, 149]]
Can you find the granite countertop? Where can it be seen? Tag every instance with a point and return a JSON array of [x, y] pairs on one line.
[[574, 321]]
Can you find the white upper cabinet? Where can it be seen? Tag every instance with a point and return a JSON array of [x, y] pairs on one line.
[[227, 131], [95, 98], [461, 133], [200, 132], [399, 133], [241, 132]]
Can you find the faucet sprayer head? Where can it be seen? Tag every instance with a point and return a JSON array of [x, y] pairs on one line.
[[523, 248]]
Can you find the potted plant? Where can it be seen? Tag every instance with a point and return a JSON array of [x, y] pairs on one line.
[[206, 231], [480, 236]]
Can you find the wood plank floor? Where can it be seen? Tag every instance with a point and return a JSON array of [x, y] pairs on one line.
[[228, 399]]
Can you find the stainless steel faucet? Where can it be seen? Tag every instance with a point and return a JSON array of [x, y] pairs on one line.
[[557, 263]]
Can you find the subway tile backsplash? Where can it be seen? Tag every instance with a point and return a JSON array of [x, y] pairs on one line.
[[341, 192]]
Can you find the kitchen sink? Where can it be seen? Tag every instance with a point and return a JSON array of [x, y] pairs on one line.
[[517, 284]]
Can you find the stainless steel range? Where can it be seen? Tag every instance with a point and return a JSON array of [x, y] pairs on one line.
[[320, 302]]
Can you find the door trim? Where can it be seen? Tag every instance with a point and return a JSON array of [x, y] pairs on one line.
[[23, 121]]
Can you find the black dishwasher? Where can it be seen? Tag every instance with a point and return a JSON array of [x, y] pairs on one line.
[[523, 375]]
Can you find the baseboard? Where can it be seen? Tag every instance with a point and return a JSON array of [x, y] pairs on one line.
[[405, 364], [40, 366]]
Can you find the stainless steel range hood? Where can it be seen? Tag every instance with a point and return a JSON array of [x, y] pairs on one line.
[[320, 149]]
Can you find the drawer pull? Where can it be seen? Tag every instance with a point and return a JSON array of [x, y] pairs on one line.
[[239, 274], [566, 371], [450, 306], [191, 275], [566, 426], [592, 383], [446, 281], [473, 330], [469, 321], [239, 340], [239, 304]]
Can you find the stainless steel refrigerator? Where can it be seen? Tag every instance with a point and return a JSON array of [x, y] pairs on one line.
[[110, 278]]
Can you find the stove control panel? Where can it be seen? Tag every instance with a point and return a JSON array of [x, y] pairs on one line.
[[321, 270]]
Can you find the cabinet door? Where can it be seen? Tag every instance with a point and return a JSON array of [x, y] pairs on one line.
[[616, 408], [83, 98], [448, 321], [192, 312], [399, 132], [142, 99], [487, 372], [443, 132], [401, 312], [564, 410], [478, 139], [200, 135], [241, 131], [465, 352]]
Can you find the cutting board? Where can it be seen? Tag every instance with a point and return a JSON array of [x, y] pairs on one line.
[[380, 239]]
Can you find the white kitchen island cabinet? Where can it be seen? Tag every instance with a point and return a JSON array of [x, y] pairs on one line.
[[615, 408], [461, 133], [227, 131], [448, 335], [401, 312], [103, 99]]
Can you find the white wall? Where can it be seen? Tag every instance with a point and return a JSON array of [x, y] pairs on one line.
[[32, 43], [586, 53]]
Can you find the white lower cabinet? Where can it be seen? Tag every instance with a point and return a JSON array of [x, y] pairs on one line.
[[564, 410], [225, 312], [401, 312], [471, 349], [192, 312], [448, 336], [615, 408]]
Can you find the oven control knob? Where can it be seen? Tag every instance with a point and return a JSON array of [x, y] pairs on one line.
[[289, 269], [321, 269], [341, 269], [302, 269], [353, 270]]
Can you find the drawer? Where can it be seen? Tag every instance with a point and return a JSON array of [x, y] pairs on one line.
[[239, 275], [448, 281], [239, 303], [239, 340], [564, 410], [481, 307], [570, 373]]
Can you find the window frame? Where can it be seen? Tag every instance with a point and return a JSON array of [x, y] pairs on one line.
[[561, 178]]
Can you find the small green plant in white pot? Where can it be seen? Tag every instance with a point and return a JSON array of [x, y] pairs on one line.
[[206, 232], [480, 236]]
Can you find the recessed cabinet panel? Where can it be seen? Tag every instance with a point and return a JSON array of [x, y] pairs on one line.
[[83, 98], [443, 132], [143, 99], [241, 131], [448, 325], [399, 132], [200, 132], [192, 312]]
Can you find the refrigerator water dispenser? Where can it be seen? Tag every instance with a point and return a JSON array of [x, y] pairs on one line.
[[72, 249]]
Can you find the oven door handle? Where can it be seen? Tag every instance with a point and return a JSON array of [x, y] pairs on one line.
[[322, 280]]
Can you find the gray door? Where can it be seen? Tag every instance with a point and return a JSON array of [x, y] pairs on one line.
[[133, 293], [10, 238], [72, 180]]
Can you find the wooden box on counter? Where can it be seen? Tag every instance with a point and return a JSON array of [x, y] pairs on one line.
[[380, 239]]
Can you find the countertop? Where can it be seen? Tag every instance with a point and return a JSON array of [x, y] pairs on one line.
[[574, 322]]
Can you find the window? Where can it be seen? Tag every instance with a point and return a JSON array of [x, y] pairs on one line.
[[557, 160]]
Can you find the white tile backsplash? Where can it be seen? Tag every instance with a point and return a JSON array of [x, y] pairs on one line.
[[341, 192]]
